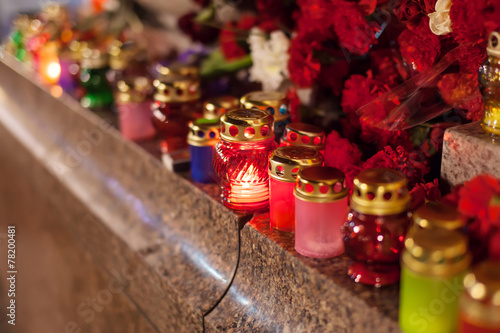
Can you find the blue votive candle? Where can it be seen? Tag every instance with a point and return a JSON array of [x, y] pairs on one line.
[[203, 136]]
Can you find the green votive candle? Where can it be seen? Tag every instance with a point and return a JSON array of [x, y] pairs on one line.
[[434, 264]]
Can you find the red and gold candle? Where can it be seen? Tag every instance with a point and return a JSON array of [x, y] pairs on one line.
[[241, 158], [284, 166]]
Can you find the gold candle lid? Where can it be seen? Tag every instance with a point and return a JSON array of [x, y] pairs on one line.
[[483, 283], [320, 184], [271, 101], [93, 58], [176, 89], [121, 54], [133, 90], [434, 215], [204, 132], [217, 106], [302, 134], [246, 125], [178, 69], [380, 191], [436, 252], [286, 162]]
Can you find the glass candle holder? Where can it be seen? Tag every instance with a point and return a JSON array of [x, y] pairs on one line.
[[479, 306], [320, 210], [214, 108], [376, 226], [284, 165], [202, 137], [93, 68], [489, 77], [69, 69], [301, 134], [434, 264], [241, 158], [434, 215], [134, 109], [177, 102], [48, 63], [273, 102]]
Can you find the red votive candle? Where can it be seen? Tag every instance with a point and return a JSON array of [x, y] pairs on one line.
[[134, 109], [241, 158], [480, 303], [284, 165], [177, 102], [301, 134], [320, 210], [376, 226]]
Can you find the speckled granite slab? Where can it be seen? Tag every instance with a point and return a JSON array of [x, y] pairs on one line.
[[468, 152], [121, 203], [182, 247], [278, 290]]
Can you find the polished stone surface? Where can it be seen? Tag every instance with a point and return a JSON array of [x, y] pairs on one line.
[[467, 152], [123, 205], [59, 287], [278, 290], [182, 247]]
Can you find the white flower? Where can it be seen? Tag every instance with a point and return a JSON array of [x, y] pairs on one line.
[[440, 22], [269, 57]]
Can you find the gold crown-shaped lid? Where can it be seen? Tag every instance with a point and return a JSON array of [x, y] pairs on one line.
[[178, 69], [302, 134], [436, 252], [75, 49], [286, 162], [133, 90], [434, 215], [122, 54], [320, 184], [217, 106], [204, 132], [483, 283], [176, 89], [93, 58], [493, 48], [246, 125], [380, 191], [271, 101]]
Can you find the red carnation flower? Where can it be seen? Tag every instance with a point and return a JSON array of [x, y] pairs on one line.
[[340, 153], [472, 21], [384, 138], [422, 192], [360, 90], [407, 163], [419, 46], [385, 67], [479, 199], [303, 67], [233, 36], [462, 90]]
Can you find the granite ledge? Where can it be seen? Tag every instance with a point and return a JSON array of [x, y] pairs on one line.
[[295, 294], [467, 152]]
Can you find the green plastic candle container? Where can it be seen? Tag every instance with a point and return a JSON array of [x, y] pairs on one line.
[[434, 264]]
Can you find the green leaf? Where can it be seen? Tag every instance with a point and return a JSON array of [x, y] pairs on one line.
[[205, 15], [216, 64]]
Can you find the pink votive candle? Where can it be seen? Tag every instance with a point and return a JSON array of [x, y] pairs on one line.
[[134, 109], [320, 211]]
